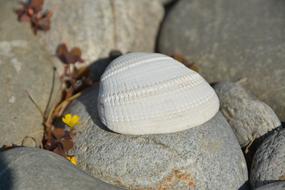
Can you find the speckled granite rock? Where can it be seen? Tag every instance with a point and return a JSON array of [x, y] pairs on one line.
[[268, 164], [231, 39], [205, 157], [98, 26], [249, 117], [31, 168], [25, 68], [273, 186]]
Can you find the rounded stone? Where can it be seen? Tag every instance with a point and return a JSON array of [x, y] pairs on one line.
[[205, 157], [99, 26], [268, 164], [231, 39], [248, 117], [31, 168]]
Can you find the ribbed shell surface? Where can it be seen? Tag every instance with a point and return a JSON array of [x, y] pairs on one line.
[[150, 93]]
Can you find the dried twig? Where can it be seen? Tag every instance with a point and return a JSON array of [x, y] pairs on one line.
[[34, 102], [51, 92], [61, 107]]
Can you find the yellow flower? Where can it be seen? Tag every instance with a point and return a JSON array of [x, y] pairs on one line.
[[72, 159], [71, 120]]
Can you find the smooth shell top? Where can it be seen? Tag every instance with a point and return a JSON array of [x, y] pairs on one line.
[[150, 93]]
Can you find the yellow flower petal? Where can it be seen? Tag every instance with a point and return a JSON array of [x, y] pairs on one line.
[[72, 159], [66, 119], [68, 116], [75, 120], [71, 120]]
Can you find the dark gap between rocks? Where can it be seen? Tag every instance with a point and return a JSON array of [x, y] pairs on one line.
[[6, 174]]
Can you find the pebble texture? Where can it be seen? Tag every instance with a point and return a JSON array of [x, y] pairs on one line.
[[25, 68], [206, 157], [268, 164], [231, 39], [30, 168], [98, 26], [249, 117], [273, 186]]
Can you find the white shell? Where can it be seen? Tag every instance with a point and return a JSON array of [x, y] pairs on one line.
[[150, 93]]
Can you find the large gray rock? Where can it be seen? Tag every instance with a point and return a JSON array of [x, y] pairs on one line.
[[231, 39], [98, 26], [249, 117], [268, 164], [273, 186], [31, 168], [25, 68], [204, 157]]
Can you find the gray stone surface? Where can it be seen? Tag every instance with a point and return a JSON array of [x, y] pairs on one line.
[[231, 39], [249, 117], [25, 68], [268, 164], [31, 168], [166, 2], [204, 157], [98, 26], [273, 186]]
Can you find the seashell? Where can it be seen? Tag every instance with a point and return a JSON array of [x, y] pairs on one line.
[[150, 93]]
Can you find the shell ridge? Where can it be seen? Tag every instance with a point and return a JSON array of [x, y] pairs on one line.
[[148, 90], [168, 129], [136, 57], [124, 68], [184, 108]]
